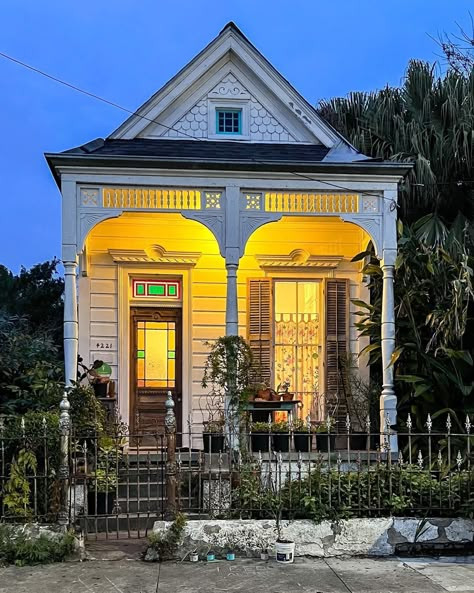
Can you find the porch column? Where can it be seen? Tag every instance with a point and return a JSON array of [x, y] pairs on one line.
[[388, 399], [232, 256], [71, 325], [232, 309]]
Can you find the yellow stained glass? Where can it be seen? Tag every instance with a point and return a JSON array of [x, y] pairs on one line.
[[171, 337], [156, 353], [156, 383], [171, 368], [140, 339], [141, 368], [156, 325]]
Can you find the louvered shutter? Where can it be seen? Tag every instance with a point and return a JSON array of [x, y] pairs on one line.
[[259, 327], [337, 343]]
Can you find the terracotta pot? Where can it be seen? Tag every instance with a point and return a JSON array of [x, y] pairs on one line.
[[265, 394], [287, 397]]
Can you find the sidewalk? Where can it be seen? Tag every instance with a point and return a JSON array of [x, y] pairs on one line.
[[251, 576]]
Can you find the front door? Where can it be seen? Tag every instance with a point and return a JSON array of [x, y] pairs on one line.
[[156, 368]]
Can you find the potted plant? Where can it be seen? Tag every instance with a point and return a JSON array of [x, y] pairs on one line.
[[303, 435], [213, 436], [260, 436], [326, 437], [282, 392], [103, 480], [284, 548], [281, 436]]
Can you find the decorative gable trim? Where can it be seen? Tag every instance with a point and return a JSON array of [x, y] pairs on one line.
[[230, 45], [299, 258], [157, 255]]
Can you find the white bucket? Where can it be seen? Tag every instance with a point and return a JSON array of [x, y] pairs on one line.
[[285, 552]]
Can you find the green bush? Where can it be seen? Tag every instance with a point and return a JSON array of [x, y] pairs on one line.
[[21, 548], [167, 544], [333, 495], [87, 413]]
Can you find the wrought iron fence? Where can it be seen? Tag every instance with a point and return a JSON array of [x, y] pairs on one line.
[[118, 482]]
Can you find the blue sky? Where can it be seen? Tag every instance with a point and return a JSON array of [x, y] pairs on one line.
[[125, 50]]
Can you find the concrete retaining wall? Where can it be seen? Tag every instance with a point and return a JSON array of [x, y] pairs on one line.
[[366, 537]]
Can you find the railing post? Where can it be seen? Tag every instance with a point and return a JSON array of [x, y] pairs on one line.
[[63, 473], [170, 430]]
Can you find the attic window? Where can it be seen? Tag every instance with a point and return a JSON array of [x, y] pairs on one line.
[[229, 121]]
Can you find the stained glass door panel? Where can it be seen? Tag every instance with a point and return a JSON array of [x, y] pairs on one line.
[[156, 368]]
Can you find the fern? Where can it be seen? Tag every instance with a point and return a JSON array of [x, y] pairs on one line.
[[17, 490]]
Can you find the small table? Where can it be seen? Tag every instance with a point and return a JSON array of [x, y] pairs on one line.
[[259, 408]]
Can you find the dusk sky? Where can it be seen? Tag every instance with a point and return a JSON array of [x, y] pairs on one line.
[[125, 50]]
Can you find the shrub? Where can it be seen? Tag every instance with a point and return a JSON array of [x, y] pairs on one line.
[[166, 544], [21, 548]]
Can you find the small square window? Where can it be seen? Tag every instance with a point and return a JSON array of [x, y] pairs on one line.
[[229, 121]]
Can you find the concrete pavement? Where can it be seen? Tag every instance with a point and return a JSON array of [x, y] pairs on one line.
[[359, 575]]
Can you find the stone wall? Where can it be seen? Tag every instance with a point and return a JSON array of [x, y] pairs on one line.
[[354, 537]]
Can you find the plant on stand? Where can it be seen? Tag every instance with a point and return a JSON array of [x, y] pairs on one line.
[[227, 371]]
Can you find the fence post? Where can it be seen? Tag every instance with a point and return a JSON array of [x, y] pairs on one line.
[[63, 474], [170, 430]]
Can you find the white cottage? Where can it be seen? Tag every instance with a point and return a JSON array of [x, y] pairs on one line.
[[224, 206]]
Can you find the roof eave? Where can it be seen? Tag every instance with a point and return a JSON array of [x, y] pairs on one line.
[[55, 161]]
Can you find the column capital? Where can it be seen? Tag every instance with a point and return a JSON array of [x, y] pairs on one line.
[[389, 257]]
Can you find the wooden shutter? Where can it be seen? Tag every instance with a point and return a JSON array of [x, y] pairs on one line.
[[337, 343], [259, 327]]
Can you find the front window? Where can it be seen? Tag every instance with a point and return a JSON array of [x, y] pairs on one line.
[[297, 341], [229, 121]]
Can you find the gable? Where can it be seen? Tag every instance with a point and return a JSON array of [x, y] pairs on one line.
[[260, 124], [229, 72]]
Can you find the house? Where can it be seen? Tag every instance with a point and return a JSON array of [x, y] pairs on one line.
[[225, 205]]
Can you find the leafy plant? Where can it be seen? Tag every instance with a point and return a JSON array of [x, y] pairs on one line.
[[300, 425], [22, 548], [260, 427], [214, 426], [17, 490], [227, 369], [166, 544], [281, 426]]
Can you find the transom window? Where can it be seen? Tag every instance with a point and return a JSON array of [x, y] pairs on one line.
[[229, 121]]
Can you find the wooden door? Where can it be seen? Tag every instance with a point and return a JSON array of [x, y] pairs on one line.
[[156, 358]]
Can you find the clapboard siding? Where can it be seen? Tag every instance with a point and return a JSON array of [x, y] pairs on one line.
[[208, 303]]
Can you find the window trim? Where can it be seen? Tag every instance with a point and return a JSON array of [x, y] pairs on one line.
[[223, 104], [225, 110]]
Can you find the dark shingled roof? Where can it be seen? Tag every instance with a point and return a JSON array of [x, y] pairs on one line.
[[204, 150]]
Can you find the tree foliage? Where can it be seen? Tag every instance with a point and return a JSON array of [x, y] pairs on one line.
[[429, 122], [35, 295]]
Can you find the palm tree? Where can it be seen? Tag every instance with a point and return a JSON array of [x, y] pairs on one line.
[[429, 121]]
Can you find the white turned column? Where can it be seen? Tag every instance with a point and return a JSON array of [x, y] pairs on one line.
[[232, 256], [71, 325], [388, 399], [232, 309]]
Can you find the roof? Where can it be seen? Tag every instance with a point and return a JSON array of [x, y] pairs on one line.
[[209, 150], [215, 155]]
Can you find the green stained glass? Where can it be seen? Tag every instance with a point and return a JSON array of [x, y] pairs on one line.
[[172, 290], [140, 353], [140, 288], [171, 354], [156, 289]]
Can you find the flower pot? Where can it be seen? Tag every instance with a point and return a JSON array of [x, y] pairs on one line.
[[358, 441], [214, 442], [105, 503], [303, 441], [260, 441], [325, 440], [100, 389], [265, 394], [285, 552], [281, 442]]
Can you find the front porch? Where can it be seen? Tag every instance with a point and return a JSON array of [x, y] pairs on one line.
[[223, 250]]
